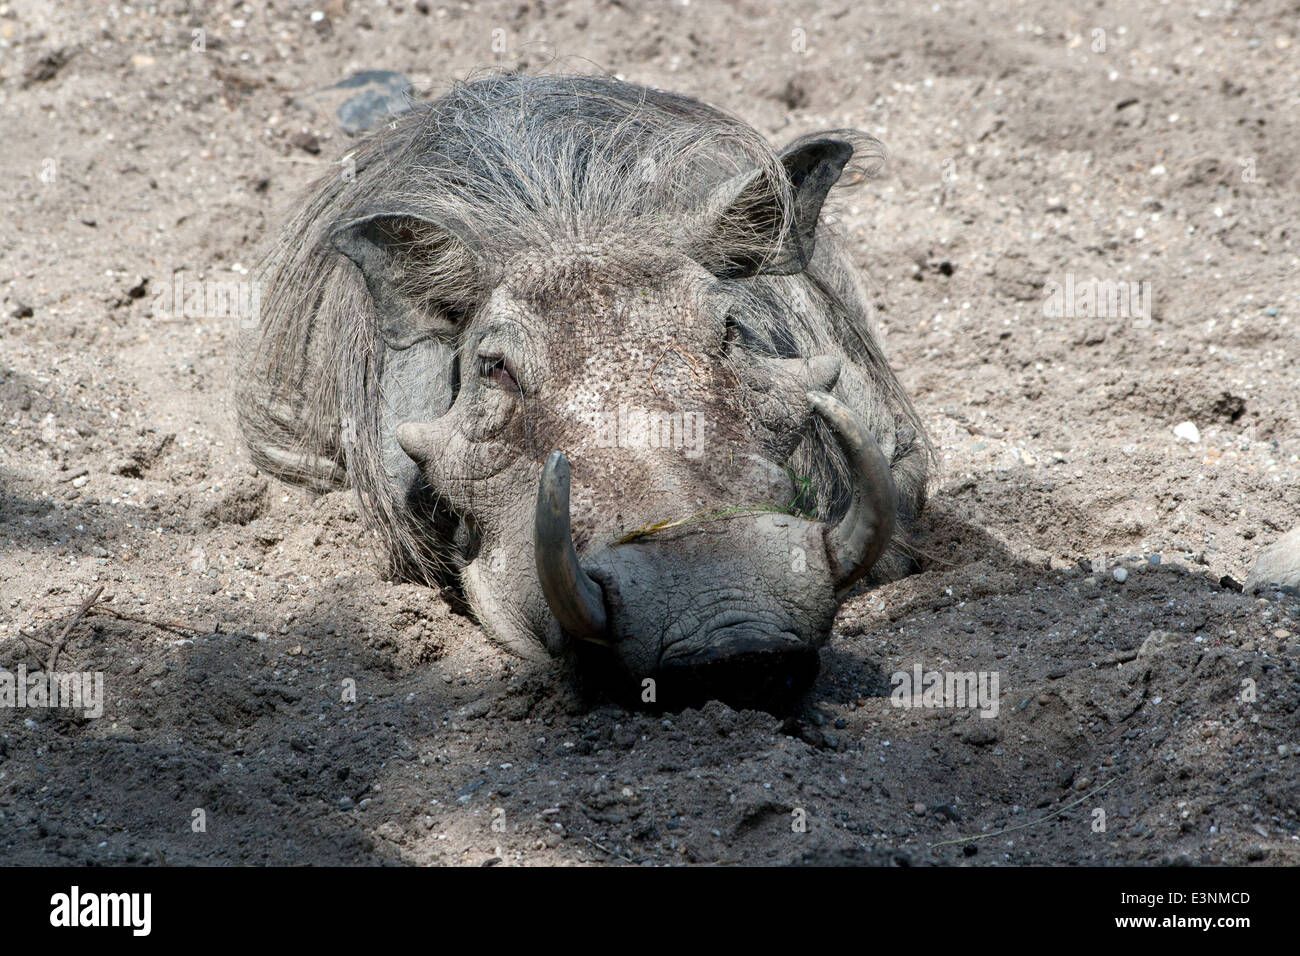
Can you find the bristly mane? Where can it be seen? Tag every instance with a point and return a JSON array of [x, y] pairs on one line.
[[510, 163]]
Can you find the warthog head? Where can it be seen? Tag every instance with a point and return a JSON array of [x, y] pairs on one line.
[[618, 367]]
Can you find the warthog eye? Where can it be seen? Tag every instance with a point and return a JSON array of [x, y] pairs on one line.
[[497, 370], [733, 335]]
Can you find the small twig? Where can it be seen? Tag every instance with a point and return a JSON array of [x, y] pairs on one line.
[[176, 626], [63, 638], [35, 656], [25, 635], [916, 552], [606, 851], [1031, 823]]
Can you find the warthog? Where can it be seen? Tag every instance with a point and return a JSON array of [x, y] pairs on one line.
[[588, 354]]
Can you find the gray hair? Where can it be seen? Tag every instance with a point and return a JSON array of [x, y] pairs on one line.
[[509, 163]]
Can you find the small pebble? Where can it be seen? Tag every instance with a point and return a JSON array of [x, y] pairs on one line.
[[918, 809], [307, 141], [1188, 432], [1120, 575]]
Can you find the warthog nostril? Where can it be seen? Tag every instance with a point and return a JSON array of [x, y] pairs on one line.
[[734, 641], [745, 666]]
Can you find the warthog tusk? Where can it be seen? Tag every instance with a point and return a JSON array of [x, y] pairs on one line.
[[862, 535], [574, 598]]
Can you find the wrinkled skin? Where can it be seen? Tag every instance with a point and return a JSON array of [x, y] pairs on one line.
[[562, 344], [567, 338]]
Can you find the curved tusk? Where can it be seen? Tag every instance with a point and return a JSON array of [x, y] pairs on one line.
[[574, 598], [856, 543]]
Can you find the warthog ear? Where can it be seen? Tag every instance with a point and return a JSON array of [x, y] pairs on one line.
[[746, 214], [422, 277]]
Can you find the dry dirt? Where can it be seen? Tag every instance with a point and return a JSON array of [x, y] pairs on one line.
[[1021, 152]]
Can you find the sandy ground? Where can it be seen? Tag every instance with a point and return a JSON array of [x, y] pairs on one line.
[[1152, 720]]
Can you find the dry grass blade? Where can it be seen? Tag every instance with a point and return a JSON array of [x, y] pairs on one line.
[[715, 514]]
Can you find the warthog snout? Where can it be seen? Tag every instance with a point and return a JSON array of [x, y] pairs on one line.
[[734, 608]]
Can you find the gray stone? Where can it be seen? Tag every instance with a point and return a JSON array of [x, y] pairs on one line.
[[1159, 642], [361, 103], [1279, 563], [381, 95]]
